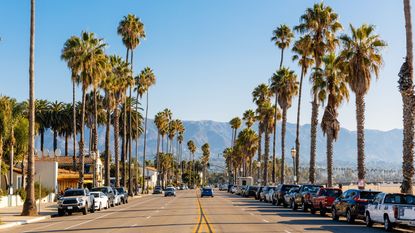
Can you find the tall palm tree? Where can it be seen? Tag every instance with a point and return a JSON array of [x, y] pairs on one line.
[[29, 206], [362, 56], [321, 23], [336, 89], [248, 140], [41, 116], [144, 81], [55, 118], [205, 160], [260, 95], [407, 92], [235, 124], [282, 37], [165, 130], [266, 110], [161, 124], [303, 51], [249, 117], [284, 81], [192, 148]]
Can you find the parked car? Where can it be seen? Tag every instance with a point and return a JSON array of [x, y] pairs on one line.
[[303, 197], [263, 193], [278, 196], [258, 192], [391, 209], [230, 186], [100, 200], [223, 187], [250, 191], [123, 193], [206, 192], [234, 189], [107, 190], [117, 197], [240, 190], [290, 195], [270, 193], [170, 192], [324, 199], [352, 204], [76, 200], [157, 190]]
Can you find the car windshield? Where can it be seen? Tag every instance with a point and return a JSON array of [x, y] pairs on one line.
[[287, 187], [70, 193], [120, 190], [95, 194], [399, 199], [294, 190], [368, 195], [170, 189], [104, 190], [333, 192], [207, 190], [253, 188], [311, 189]]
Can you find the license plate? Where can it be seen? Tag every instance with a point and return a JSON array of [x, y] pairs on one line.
[[69, 207]]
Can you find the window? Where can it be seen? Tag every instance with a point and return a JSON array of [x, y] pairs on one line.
[[19, 182]]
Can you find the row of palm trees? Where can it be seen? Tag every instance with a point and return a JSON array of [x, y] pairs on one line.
[[338, 63]]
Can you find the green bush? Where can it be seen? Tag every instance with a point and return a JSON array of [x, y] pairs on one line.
[[44, 192]]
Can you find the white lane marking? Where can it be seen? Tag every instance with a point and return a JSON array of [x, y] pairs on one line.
[[265, 220], [287, 231], [148, 217], [134, 225], [105, 215]]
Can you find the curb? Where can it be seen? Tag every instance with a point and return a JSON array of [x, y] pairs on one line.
[[23, 222]]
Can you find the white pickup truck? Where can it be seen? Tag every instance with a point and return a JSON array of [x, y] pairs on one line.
[[391, 209]]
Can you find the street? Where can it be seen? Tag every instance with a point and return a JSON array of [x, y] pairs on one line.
[[187, 213]]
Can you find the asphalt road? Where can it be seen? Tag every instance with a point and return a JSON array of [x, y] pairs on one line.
[[187, 213]]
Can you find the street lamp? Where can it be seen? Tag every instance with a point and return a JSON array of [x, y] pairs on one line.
[[293, 153]]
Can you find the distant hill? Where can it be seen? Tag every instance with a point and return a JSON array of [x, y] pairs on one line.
[[383, 148]]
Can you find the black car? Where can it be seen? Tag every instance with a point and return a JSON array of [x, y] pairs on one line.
[[157, 190], [124, 197], [230, 186], [107, 190], [352, 204], [250, 191], [304, 195], [278, 196], [263, 192], [289, 196], [258, 192]]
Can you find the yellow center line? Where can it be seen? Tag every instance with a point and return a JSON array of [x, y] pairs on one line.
[[203, 224]]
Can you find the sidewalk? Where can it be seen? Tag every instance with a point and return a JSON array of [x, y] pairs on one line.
[[10, 216]]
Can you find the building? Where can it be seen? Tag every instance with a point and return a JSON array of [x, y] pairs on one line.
[[150, 176], [17, 180]]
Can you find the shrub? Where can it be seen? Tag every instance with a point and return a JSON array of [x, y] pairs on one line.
[[44, 192]]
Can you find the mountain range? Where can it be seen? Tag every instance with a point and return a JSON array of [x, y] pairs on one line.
[[382, 148]]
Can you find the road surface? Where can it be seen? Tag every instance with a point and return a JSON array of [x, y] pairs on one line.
[[188, 213]]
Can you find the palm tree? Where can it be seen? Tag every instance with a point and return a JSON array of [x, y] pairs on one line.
[[362, 56], [260, 95], [407, 92], [235, 124], [144, 81], [165, 130], [42, 122], [248, 141], [192, 148], [55, 118], [303, 50], [205, 160], [5, 118], [284, 81], [29, 206], [282, 36], [321, 24], [161, 124], [65, 130], [337, 91], [266, 110], [249, 118]]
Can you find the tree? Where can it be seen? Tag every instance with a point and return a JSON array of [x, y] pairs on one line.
[[248, 142], [249, 118], [29, 206], [41, 115], [362, 56], [321, 23], [55, 117], [303, 51], [192, 148], [162, 125], [144, 81], [6, 107], [205, 160], [407, 93], [284, 81], [235, 124], [336, 89]]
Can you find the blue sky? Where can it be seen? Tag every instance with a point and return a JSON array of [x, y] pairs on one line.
[[207, 55]]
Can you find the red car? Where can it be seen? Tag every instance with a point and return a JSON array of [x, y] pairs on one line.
[[324, 200]]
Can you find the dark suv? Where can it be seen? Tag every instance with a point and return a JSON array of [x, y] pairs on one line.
[[278, 196], [107, 190], [352, 204], [250, 191], [124, 197], [304, 196]]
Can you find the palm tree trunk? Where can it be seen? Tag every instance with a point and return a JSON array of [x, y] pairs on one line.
[[297, 131], [283, 129], [1, 154], [330, 158], [145, 142], [313, 142], [125, 153], [116, 146], [259, 149], [408, 114], [29, 207], [360, 117], [266, 133], [136, 145], [74, 122], [81, 141], [66, 144], [158, 157], [55, 140], [107, 144], [130, 138], [42, 139], [275, 132]]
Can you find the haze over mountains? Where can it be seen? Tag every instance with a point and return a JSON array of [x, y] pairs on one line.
[[383, 148]]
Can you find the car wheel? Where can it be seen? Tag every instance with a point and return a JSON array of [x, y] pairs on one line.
[[368, 220], [322, 211], [85, 210], [387, 224], [93, 207], [349, 216], [69, 213], [99, 208], [305, 207], [112, 203], [274, 202], [284, 204], [126, 201], [61, 212], [334, 215], [313, 210], [294, 206]]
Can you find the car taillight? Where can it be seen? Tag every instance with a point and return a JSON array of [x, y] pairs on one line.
[[395, 212], [357, 199]]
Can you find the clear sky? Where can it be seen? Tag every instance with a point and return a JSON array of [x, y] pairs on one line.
[[207, 55]]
